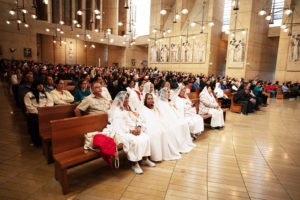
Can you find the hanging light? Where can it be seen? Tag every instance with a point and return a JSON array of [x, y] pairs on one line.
[[108, 31], [244, 32], [97, 12], [58, 29], [154, 30], [79, 12], [262, 13], [288, 12], [33, 16], [54, 41], [101, 39], [169, 30], [75, 21], [163, 12], [45, 2], [93, 46], [96, 30], [120, 23], [124, 36], [24, 11], [268, 17], [123, 42], [61, 22], [61, 32], [148, 40], [235, 4], [184, 11], [232, 35], [19, 21], [47, 30], [8, 22], [126, 4], [211, 23], [164, 33], [283, 26], [77, 35], [78, 25], [12, 12], [286, 30], [227, 32], [193, 24], [26, 25], [85, 46], [111, 40], [194, 37], [98, 16], [177, 16]]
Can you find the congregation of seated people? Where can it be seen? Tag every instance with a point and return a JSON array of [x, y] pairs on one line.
[[148, 109]]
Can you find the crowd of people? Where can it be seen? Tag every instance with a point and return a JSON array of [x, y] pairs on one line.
[[149, 109]]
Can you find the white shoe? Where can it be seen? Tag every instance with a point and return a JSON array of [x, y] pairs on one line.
[[137, 169], [148, 163]]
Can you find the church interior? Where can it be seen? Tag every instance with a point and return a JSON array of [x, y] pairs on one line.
[[188, 99]]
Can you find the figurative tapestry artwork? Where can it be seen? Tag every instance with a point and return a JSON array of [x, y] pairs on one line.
[[186, 50], [199, 51], [27, 52], [293, 63], [71, 51], [164, 50], [236, 50], [175, 49], [154, 51]]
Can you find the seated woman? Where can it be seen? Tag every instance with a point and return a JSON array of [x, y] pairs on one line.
[[163, 145], [271, 89], [149, 88], [59, 95], [221, 96], [187, 112], [176, 128], [130, 132], [208, 105], [81, 92], [37, 97]]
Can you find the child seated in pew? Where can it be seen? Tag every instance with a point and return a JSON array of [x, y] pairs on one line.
[[37, 97]]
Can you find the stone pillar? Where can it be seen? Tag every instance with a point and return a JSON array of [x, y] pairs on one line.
[[111, 15]]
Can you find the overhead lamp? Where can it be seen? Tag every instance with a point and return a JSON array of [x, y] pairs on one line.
[[148, 40], [108, 31], [8, 22], [61, 32], [268, 17], [24, 11], [193, 24], [26, 25], [33, 16], [78, 25], [177, 16], [96, 30], [184, 11], [111, 40], [75, 21], [120, 23], [93, 46], [244, 32], [123, 42], [12, 12], [54, 41], [85, 46], [194, 37], [19, 21], [227, 32], [101, 39], [286, 30], [232, 34], [125, 36], [97, 11], [88, 35], [169, 30], [45, 2], [77, 35], [58, 29], [98, 16], [79, 12], [47, 30], [154, 30], [235, 4], [61, 22], [211, 23], [288, 12], [164, 33], [283, 26], [163, 12], [262, 12]]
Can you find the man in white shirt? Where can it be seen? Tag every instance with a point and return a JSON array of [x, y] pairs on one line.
[[61, 96]]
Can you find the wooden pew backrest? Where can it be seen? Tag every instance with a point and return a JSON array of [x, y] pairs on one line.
[[69, 133]]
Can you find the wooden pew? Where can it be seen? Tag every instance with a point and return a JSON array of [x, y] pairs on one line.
[[68, 142], [234, 107], [46, 114]]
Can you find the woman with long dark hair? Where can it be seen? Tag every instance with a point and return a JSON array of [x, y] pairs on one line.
[[37, 97]]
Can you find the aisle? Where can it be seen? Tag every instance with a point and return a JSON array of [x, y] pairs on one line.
[[253, 157]]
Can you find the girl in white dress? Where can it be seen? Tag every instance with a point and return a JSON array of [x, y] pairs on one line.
[[163, 147], [130, 131], [177, 129], [187, 111], [208, 105]]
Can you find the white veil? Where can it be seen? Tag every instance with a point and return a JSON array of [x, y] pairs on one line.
[[204, 93], [117, 105], [147, 87], [176, 93]]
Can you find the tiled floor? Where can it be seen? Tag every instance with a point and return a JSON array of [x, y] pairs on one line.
[[253, 157]]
